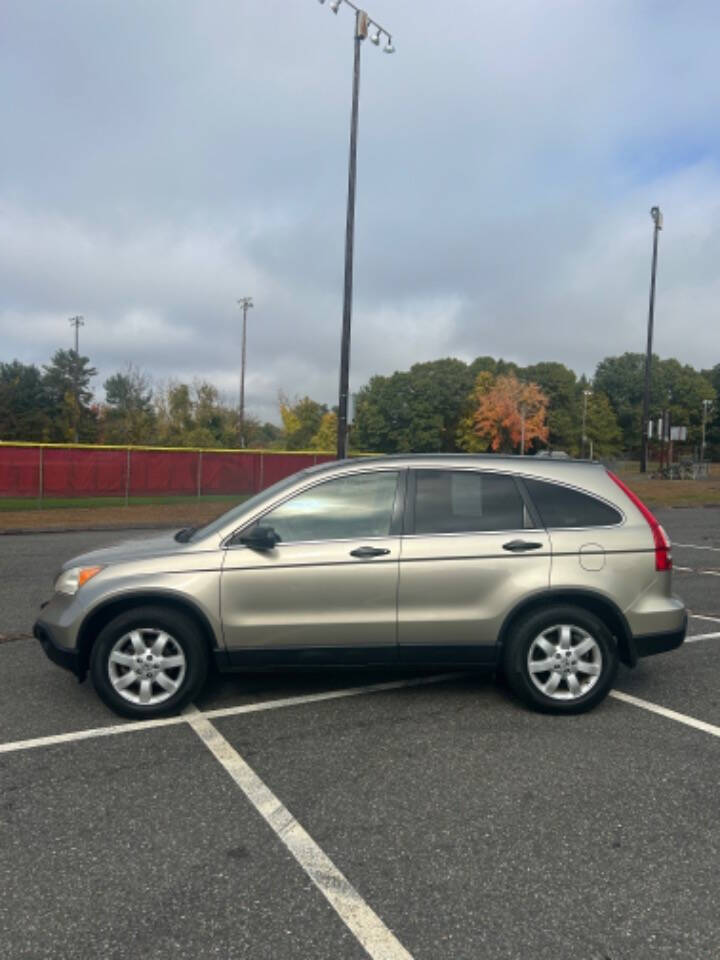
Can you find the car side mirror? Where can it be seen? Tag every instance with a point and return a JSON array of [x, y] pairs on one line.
[[260, 538]]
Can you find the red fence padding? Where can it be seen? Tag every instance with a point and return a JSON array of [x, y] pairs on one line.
[[230, 472], [19, 471], [170, 472], [69, 472], [103, 472]]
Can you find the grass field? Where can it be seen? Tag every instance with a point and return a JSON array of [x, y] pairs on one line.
[[109, 512]]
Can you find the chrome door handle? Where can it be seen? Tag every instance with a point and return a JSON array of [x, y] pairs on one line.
[[519, 546], [369, 552]]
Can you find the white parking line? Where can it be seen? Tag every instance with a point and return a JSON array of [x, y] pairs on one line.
[[701, 573], [704, 616], [378, 941], [701, 636], [669, 714], [696, 546], [140, 725]]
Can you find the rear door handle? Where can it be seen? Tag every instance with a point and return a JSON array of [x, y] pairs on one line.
[[520, 546], [369, 552]]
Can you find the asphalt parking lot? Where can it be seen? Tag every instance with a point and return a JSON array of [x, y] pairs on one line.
[[341, 815]]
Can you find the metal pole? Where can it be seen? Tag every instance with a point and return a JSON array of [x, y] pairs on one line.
[[658, 221], [40, 478], [245, 303], [706, 404], [522, 430], [586, 394], [342, 434]]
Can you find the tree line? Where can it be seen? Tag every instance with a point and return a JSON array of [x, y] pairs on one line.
[[439, 406]]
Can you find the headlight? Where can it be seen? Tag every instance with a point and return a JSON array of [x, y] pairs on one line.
[[71, 580]]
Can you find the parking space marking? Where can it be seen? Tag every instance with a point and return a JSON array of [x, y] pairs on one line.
[[701, 573], [704, 616], [701, 636], [378, 941], [665, 712], [133, 727], [696, 546]]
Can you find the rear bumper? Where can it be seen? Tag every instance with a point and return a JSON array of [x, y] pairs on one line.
[[69, 659], [650, 644]]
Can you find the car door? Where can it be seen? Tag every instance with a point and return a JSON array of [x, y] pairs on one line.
[[327, 592], [470, 553]]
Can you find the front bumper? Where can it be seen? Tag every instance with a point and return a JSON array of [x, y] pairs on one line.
[[64, 657], [650, 644]]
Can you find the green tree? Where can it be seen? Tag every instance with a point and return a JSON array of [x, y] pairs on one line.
[[560, 386], [128, 415], [712, 427], [414, 411], [326, 437], [622, 380], [467, 438], [301, 421], [684, 390], [25, 413], [262, 435], [601, 426], [66, 382]]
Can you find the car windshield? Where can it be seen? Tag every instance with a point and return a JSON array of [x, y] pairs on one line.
[[236, 513]]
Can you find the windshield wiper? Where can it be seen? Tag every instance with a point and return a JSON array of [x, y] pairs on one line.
[[184, 535]]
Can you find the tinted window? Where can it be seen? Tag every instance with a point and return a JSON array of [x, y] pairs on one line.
[[347, 508], [562, 507], [455, 501]]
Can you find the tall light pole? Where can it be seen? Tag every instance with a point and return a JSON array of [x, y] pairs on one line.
[[658, 224], [586, 394], [77, 322], [246, 303], [363, 24], [706, 405]]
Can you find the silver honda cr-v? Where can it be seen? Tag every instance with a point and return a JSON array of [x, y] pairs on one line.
[[551, 570]]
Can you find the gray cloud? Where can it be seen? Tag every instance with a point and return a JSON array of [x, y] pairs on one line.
[[161, 160]]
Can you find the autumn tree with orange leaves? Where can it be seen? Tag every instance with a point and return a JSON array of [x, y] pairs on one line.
[[495, 412]]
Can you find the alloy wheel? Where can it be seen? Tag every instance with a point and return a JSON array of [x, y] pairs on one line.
[[146, 666], [564, 662]]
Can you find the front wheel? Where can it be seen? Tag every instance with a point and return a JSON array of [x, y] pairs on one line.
[[561, 660], [148, 662]]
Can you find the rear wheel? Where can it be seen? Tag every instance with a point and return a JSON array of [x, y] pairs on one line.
[[562, 660], [148, 662]]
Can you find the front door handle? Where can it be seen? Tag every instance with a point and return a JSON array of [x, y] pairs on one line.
[[520, 546], [369, 552]]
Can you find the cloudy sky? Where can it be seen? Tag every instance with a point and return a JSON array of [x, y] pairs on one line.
[[160, 160]]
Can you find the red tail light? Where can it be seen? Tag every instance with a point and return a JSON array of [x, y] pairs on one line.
[[663, 557]]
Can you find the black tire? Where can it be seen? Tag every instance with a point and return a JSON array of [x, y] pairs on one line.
[[185, 639], [524, 635]]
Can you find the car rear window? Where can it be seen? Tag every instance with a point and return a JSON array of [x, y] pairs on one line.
[[560, 506], [459, 501]]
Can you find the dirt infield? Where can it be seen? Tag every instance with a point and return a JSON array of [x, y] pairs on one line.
[[97, 518]]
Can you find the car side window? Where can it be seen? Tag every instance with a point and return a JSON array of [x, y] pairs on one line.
[[345, 508], [459, 501], [560, 506]]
